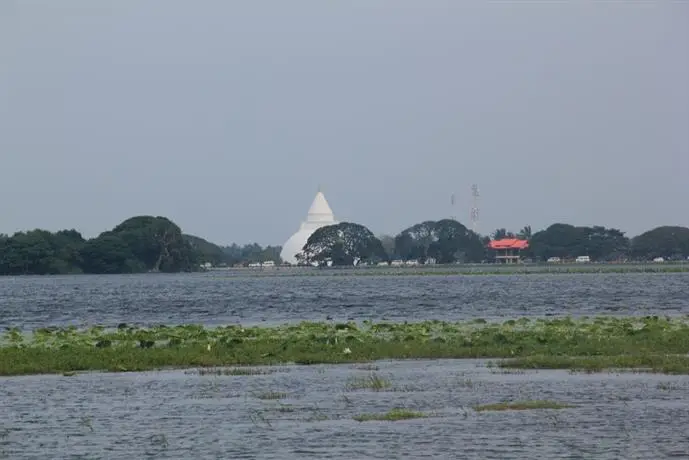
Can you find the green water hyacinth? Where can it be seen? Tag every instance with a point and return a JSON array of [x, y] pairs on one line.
[[594, 343]]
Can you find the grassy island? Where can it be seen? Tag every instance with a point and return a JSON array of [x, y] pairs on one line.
[[522, 405], [645, 343]]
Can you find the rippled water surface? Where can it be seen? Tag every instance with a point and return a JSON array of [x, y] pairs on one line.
[[173, 414], [219, 298], [182, 415]]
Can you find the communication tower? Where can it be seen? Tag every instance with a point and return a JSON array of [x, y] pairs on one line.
[[474, 208], [453, 215]]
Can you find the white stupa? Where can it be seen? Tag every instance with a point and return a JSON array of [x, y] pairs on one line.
[[319, 215]]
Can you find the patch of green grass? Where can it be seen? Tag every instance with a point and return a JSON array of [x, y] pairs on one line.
[[646, 362], [652, 342], [522, 405], [391, 416], [371, 382]]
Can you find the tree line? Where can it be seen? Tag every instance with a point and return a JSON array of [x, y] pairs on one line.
[[448, 241], [156, 244], [139, 244]]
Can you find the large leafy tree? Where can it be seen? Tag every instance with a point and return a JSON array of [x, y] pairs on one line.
[[455, 243], [605, 244], [558, 240], [157, 242], [342, 244], [670, 242], [567, 241], [414, 242], [446, 241], [109, 254]]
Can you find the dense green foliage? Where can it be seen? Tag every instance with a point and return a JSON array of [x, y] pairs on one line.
[[342, 244], [567, 242], [252, 253], [609, 244], [448, 241], [156, 244], [445, 241], [667, 242], [229, 256], [41, 252], [658, 344], [139, 244]]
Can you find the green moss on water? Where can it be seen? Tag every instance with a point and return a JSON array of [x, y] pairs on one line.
[[371, 382], [645, 362], [391, 416], [522, 405], [656, 344]]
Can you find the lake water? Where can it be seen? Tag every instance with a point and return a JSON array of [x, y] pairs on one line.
[[177, 415], [230, 297], [182, 415]]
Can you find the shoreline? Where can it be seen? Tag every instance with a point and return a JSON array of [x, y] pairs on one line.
[[417, 270], [470, 269], [650, 343]]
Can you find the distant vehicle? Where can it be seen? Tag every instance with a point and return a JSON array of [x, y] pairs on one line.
[[554, 260], [658, 260], [583, 259]]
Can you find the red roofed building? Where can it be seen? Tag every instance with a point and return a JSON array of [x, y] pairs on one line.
[[507, 250]]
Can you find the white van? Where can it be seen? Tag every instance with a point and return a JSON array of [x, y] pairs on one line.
[[583, 259]]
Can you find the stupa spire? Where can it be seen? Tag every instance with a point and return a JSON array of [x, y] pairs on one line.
[[320, 209]]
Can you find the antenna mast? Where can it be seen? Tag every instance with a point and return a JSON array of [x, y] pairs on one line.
[[474, 208], [453, 215]]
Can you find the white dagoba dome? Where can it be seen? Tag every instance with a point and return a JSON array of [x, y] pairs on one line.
[[319, 215]]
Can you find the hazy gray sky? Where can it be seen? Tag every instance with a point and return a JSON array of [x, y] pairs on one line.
[[226, 116]]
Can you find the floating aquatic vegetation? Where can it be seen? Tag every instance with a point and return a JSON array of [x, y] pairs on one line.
[[654, 343], [391, 416], [522, 405], [371, 382]]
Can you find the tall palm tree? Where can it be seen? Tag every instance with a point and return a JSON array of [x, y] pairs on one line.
[[525, 233]]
